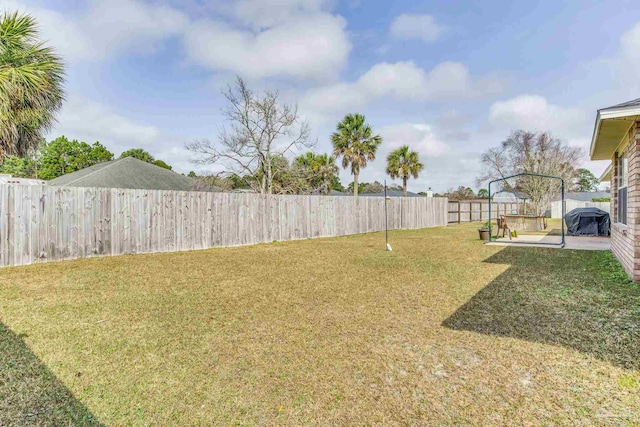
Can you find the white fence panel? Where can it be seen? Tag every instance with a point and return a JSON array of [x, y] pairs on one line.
[[556, 207]]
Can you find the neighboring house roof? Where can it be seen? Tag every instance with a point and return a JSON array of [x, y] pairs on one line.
[[516, 194], [127, 172], [8, 179], [583, 196], [331, 193], [612, 124], [390, 193]]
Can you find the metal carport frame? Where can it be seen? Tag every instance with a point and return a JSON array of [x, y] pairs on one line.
[[561, 244]]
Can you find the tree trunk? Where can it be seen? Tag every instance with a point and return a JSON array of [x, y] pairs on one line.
[[404, 187], [355, 184], [263, 182], [269, 179]]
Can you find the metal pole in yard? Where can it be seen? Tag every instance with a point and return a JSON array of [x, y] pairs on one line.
[[386, 227], [564, 209], [489, 191]]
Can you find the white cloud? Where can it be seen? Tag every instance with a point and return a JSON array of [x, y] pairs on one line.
[[626, 65], [400, 80], [107, 28], [419, 137], [314, 46], [416, 27], [630, 43], [91, 121], [535, 113], [263, 14]]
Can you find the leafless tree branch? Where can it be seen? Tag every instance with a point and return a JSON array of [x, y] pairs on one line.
[[260, 129]]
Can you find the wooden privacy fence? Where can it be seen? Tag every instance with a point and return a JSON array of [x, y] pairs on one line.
[[468, 211], [42, 223]]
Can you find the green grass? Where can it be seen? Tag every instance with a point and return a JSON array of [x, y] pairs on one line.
[[441, 331]]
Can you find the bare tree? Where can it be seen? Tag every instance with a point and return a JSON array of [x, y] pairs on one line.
[[260, 130], [535, 153]]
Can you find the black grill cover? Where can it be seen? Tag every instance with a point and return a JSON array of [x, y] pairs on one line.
[[587, 222]]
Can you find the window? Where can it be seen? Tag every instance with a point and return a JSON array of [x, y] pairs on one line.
[[623, 181]]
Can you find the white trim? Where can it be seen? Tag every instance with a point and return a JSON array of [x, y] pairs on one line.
[[608, 114], [606, 171]]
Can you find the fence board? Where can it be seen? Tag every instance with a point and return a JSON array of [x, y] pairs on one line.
[[42, 223], [468, 211]]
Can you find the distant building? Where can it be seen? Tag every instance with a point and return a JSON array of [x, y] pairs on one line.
[[130, 172], [509, 196], [8, 179], [429, 192], [331, 193], [390, 193]]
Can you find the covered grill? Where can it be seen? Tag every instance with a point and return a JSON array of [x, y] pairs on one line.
[[587, 222]]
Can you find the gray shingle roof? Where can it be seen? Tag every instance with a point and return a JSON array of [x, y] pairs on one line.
[[583, 196], [390, 193], [128, 172], [632, 103], [331, 193], [517, 194]]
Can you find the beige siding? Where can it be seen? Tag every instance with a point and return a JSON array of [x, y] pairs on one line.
[[41, 223]]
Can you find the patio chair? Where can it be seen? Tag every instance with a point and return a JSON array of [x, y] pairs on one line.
[[503, 225]]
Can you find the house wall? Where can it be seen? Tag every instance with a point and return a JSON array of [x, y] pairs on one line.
[[625, 239]]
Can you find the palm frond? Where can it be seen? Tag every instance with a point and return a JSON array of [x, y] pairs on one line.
[[355, 142], [31, 85]]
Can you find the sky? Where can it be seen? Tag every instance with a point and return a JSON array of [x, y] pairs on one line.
[[449, 79]]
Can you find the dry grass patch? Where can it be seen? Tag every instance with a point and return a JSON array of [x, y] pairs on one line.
[[334, 331]]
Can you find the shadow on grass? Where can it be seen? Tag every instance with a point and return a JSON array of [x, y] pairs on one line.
[[577, 299], [30, 394]]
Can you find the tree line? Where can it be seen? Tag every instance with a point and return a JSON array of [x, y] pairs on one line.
[[61, 156], [580, 180], [261, 133]]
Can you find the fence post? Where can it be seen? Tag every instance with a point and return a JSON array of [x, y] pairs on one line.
[[470, 212], [459, 215], [480, 203]]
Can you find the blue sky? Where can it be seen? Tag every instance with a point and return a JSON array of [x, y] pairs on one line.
[[448, 78]]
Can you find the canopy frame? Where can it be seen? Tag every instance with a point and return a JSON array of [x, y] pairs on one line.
[[562, 242]]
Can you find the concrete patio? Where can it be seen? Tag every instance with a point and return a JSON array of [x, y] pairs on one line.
[[586, 243]]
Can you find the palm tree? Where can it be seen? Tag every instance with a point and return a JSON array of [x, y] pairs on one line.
[[325, 171], [355, 142], [404, 164], [31, 79], [321, 170]]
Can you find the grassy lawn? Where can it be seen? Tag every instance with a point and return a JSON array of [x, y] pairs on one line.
[[442, 331]]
